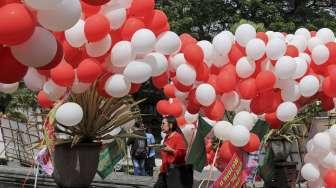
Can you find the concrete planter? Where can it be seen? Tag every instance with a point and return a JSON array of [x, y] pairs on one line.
[[76, 166]]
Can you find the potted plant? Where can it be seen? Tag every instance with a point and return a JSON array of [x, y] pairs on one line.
[[75, 149]]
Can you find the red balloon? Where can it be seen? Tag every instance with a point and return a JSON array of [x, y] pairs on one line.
[[96, 27], [265, 80], [226, 151], [169, 90], [332, 52], [175, 109], [193, 108], [213, 81], [96, 2], [226, 81], [134, 88], [202, 72], [181, 121], [262, 36], [192, 97], [16, 24], [186, 39], [327, 102], [256, 105], [63, 74], [141, 8], [319, 69], [43, 100], [329, 87], [45, 73], [130, 26], [11, 70], [179, 86], [161, 80], [4, 2], [248, 88], [72, 55], [193, 54], [88, 70], [116, 36], [163, 107], [235, 53], [330, 177], [253, 143], [292, 51], [272, 120], [215, 70], [101, 85], [57, 59], [215, 111], [89, 10], [157, 20], [165, 28]]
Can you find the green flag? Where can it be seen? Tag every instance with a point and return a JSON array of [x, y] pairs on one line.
[[197, 154]]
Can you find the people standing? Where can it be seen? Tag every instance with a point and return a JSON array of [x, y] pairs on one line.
[[173, 157], [150, 161], [139, 150]]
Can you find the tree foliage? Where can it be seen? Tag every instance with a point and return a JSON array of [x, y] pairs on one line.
[[205, 18]]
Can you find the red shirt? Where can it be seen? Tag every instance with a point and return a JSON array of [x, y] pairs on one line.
[[176, 142]]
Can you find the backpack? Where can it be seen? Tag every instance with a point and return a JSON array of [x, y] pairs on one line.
[[140, 149]]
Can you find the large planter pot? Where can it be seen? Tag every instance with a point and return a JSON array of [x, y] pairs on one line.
[[280, 147], [76, 166]]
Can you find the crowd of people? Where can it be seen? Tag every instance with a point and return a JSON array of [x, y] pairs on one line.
[[172, 151]]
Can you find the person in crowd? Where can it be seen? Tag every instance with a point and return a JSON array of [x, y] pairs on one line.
[[173, 151], [138, 150], [150, 161]]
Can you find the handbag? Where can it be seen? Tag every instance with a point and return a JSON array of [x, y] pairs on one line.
[[180, 176]]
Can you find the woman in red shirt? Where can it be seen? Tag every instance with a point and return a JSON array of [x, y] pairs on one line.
[[174, 151]]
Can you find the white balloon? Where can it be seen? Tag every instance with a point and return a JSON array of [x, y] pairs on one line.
[[62, 17], [158, 63], [205, 94], [322, 141], [287, 84], [33, 80], [208, 51], [176, 60], [117, 86], [301, 67], [181, 95], [38, 50], [309, 85], [143, 41], [308, 158], [122, 54], [306, 57], [245, 119], [187, 131], [42, 4], [69, 114], [304, 32], [332, 134], [186, 74], [245, 68], [99, 48], [244, 105], [313, 42], [300, 42], [116, 18], [275, 48], [223, 42], [291, 94], [285, 67], [230, 100], [329, 161], [244, 33], [267, 65], [53, 91], [240, 136], [168, 43], [75, 35], [320, 54], [325, 35], [289, 38], [222, 130], [138, 72], [255, 49], [9, 88], [79, 87], [310, 172], [220, 60], [278, 35], [286, 111], [190, 118]]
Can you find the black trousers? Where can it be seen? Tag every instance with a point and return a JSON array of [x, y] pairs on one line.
[[176, 177], [149, 165]]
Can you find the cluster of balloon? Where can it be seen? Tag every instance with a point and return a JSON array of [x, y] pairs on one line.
[[320, 161]]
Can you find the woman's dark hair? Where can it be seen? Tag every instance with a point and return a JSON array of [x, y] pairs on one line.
[[173, 124]]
